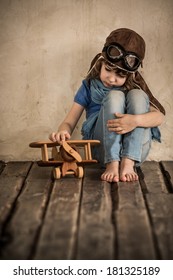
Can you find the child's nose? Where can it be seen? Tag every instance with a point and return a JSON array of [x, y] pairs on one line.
[[113, 78]]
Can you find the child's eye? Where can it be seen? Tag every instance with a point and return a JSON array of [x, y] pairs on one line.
[[107, 69], [121, 75]]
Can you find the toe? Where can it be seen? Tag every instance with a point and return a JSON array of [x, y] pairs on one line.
[[115, 179], [123, 178]]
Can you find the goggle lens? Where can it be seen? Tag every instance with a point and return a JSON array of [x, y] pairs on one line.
[[131, 60], [116, 53]]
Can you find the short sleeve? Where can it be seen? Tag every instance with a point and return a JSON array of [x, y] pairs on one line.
[[83, 96]]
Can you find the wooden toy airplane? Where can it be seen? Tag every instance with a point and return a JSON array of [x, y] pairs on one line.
[[65, 157]]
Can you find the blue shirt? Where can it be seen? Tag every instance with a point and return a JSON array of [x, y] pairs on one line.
[[83, 97]]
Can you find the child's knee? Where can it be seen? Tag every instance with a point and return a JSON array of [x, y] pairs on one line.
[[137, 95], [114, 98], [137, 101]]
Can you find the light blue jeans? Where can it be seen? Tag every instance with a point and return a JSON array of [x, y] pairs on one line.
[[135, 144]]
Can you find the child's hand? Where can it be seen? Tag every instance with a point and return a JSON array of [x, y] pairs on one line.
[[123, 123], [60, 136]]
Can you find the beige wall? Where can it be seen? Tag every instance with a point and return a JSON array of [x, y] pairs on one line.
[[45, 50]]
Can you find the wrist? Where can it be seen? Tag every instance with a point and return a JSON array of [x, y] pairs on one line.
[[137, 120]]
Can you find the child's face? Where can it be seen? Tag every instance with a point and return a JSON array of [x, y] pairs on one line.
[[110, 77]]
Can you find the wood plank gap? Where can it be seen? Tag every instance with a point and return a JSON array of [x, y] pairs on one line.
[[114, 198], [76, 236], [166, 176], [2, 166], [141, 180]]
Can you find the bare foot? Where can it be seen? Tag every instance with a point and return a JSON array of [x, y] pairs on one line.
[[111, 173], [127, 173]]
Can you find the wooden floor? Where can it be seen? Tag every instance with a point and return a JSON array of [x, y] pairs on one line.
[[85, 218]]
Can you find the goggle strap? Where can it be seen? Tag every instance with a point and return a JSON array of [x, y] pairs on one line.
[[95, 63]]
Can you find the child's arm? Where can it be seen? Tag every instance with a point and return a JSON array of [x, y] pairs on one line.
[[126, 122], [67, 126], [152, 119]]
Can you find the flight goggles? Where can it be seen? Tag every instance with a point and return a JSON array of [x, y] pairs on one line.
[[115, 53]]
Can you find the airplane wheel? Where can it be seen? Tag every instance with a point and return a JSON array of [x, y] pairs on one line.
[[57, 173], [80, 172]]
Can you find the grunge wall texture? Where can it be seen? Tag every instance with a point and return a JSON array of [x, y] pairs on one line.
[[45, 51]]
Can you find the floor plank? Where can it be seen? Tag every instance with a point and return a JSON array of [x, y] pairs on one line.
[[70, 218], [161, 211], [159, 203], [96, 234], [59, 232], [134, 235], [29, 210], [11, 184], [153, 177]]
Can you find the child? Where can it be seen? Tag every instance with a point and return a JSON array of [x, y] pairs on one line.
[[121, 111]]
